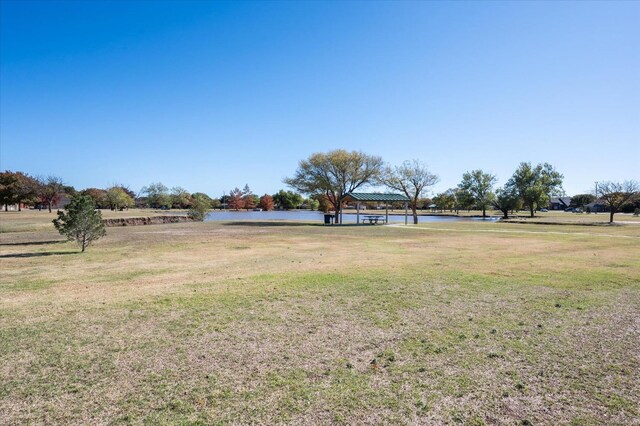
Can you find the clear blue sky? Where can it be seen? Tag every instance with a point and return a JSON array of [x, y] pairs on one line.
[[210, 96]]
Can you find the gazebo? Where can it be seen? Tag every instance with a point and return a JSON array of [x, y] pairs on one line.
[[359, 197]]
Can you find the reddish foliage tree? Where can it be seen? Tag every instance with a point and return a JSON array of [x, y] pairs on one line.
[[236, 199], [17, 188], [248, 198], [325, 203], [266, 202], [98, 195]]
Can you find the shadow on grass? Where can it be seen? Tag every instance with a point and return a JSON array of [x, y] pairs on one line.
[[42, 254], [34, 243]]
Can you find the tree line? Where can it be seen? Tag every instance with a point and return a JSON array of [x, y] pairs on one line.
[[334, 174], [46, 192], [326, 178]]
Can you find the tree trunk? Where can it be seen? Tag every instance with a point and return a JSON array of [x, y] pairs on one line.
[[84, 241], [611, 216], [531, 209], [49, 203], [415, 214], [505, 214], [484, 212]]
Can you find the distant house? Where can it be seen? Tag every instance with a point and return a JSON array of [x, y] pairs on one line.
[[597, 206], [15, 207], [60, 203], [559, 203]]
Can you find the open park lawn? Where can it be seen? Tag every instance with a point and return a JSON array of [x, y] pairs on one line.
[[272, 323]]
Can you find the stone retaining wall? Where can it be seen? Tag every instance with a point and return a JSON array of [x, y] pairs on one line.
[[153, 220]]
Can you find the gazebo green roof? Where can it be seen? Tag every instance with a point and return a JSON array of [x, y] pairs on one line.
[[375, 196]]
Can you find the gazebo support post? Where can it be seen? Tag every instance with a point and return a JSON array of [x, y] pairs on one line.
[[386, 208], [358, 213]]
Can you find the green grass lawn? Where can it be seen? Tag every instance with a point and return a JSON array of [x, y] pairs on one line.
[[201, 323]]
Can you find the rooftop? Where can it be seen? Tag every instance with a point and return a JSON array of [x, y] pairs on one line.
[[375, 196]]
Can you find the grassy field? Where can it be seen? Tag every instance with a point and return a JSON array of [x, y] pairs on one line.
[[552, 217], [272, 323]]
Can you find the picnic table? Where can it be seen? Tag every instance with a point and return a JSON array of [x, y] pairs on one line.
[[373, 219]]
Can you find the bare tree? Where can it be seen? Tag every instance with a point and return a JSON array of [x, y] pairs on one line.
[[412, 178], [616, 194], [335, 174], [50, 190]]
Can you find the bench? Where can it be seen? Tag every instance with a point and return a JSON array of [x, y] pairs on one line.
[[374, 219]]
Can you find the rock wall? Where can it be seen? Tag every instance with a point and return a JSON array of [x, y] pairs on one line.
[[153, 220]]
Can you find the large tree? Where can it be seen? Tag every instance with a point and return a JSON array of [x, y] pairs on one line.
[[445, 200], [7, 183], [81, 222], [335, 174], [581, 200], [506, 200], [17, 188], [98, 195], [157, 195], [464, 200], [616, 194], [287, 200], [180, 198], [117, 198], [478, 185], [213, 204], [534, 185], [412, 178], [312, 203]]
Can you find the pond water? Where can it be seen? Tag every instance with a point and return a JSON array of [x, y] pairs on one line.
[[314, 216]]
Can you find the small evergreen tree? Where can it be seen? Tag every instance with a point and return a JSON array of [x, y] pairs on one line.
[[82, 222]]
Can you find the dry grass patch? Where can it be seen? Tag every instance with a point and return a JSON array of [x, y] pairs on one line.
[[217, 323]]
